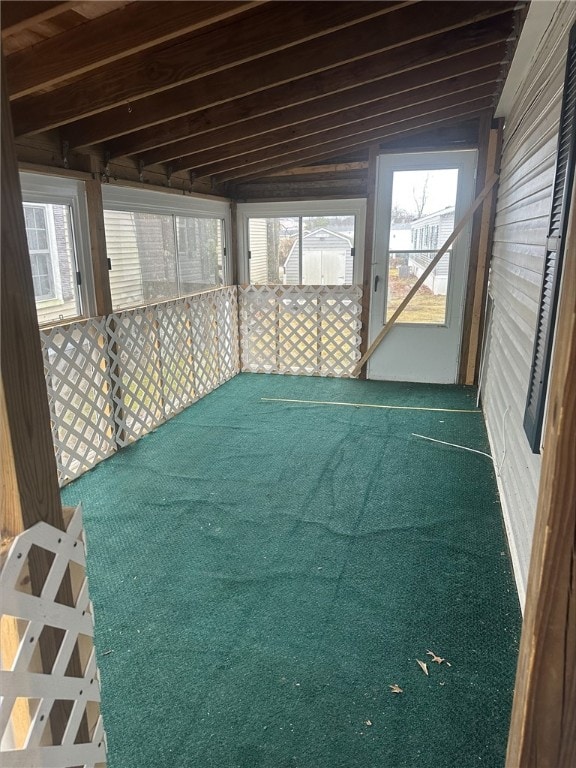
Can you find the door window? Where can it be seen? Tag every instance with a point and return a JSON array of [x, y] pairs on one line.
[[422, 218]]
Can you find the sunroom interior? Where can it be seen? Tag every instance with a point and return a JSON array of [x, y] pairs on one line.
[[287, 332]]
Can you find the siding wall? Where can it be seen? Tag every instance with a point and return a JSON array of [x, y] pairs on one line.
[[524, 202]]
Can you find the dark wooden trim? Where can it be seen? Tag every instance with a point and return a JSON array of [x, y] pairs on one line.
[[481, 175], [98, 247], [22, 367], [255, 33], [543, 726], [328, 112], [17, 15], [415, 138], [341, 60], [434, 58], [33, 479], [476, 299], [368, 252], [326, 144], [109, 38]]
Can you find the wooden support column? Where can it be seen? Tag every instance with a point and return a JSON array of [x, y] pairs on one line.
[[368, 251], [489, 151], [30, 492], [543, 728], [98, 247]]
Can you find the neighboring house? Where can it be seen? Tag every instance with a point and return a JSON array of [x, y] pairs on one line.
[[327, 259], [400, 237], [428, 233], [53, 270]]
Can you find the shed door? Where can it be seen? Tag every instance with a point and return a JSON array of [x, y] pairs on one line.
[[419, 199]]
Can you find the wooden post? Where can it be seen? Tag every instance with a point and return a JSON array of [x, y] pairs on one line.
[[543, 728], [480, 251], [30, 492], [98, 247], [368, 252]]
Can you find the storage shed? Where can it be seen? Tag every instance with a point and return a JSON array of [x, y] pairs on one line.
[[329, 567]]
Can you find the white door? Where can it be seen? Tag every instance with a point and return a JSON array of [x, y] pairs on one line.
[[419, 199]]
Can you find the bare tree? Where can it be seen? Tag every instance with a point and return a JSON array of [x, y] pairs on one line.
[[420, 196]]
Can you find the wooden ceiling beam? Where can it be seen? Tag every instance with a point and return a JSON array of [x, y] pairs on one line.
[[17, 15], [414, 86], [449, 54], [476, 27], [109, 38], [255, 33], [414, 125], [316, 132]]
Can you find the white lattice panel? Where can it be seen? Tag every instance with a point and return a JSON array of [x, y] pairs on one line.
[[136, 372], [175, 345], [204, 328], [111, 380], [28, 694], [300, 329], [78, 382], [228, 349]]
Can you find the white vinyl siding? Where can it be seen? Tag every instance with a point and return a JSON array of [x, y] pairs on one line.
[[258, 252], [523, 210], [163, 246], [122, 249]]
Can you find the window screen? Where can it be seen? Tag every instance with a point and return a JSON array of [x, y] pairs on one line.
[[156, 257]]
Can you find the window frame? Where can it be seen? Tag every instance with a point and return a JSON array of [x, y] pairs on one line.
[[130, 199], [40, 189], [306, 208]]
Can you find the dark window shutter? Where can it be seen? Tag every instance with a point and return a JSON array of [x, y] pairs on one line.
[[564, 178]]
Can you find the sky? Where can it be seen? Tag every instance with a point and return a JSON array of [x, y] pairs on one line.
[[441, 190]]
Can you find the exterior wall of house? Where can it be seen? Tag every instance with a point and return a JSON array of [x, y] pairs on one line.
[[258, 252], [122, 247], [523, 210]]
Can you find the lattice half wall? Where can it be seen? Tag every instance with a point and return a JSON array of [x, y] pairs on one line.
[[310, 330], [111, 380]]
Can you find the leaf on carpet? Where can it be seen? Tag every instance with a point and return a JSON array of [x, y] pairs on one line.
[[395, 688], [423, 666]]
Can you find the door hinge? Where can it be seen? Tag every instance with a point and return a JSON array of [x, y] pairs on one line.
[[109, 265], [78, 278]]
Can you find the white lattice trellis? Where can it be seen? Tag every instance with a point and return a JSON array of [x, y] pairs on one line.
[[78, 383], [204, 328], [300, 329], [136, 372], [174, 328], [110, 380], [28, 695], [228, 345]]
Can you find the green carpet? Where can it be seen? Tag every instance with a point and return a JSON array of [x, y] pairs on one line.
[[262, 572]]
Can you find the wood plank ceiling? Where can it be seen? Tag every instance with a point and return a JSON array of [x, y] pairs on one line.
[[247, 95]]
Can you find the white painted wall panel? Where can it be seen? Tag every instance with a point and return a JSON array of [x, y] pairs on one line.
[[524, 201]]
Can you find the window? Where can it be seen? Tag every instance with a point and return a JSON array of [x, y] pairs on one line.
[[160, 247], [296, 247], [40, 253], [554, 256], [53, 216]]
